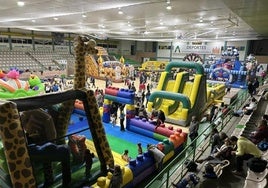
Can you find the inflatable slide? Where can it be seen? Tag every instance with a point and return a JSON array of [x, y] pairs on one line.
[[182, 97]]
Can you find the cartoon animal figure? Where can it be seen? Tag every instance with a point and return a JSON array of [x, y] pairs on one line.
[[35, 83]]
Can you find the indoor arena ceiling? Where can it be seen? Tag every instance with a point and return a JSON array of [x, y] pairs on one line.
[[149, 20]]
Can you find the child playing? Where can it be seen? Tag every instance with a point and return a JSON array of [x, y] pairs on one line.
[[113, 120], [139, 149], [125, 156]]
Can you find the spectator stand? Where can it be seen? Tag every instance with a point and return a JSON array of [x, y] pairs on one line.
[[179, 170], [247, 120]]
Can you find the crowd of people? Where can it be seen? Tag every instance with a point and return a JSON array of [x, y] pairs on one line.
[[223, 147], [234, 149]]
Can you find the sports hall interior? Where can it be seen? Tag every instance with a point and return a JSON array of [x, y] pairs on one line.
[[189, 55]]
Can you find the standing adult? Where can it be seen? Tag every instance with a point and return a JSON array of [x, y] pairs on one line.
[[114, 109], [245, 150], [250, 88], [212, 112], [148, 87], [193, 128], [147, 96], [256, 84], [122, 118], [106, 82], [157, 154], [93, 82]]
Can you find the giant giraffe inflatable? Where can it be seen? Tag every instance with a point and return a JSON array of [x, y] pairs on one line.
[[12, 133]]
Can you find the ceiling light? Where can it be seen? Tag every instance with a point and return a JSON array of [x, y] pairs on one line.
[[20, 3], [120, 11], [33, 21], [84, 16], [169, 7], [55, 18]]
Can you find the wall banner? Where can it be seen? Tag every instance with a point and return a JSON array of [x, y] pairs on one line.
[[196, 47]]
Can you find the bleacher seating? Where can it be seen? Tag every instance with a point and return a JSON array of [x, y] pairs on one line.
[[17, 59], [34, 61], [247, 121]]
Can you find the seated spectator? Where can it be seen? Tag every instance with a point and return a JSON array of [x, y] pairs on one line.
[[265, 96], [125, 156], [245, 151], [222, 153], [225, 110], [261, 132], [247, 109], [223, 136], [215, 140]]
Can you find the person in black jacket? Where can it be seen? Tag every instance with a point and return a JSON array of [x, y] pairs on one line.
[[193, 129], [161, 118], [256, 84], [250, 88]]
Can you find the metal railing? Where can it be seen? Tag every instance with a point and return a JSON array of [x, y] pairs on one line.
[[175, 170]]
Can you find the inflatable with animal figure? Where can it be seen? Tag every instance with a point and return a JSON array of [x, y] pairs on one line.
[[12, 87]]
